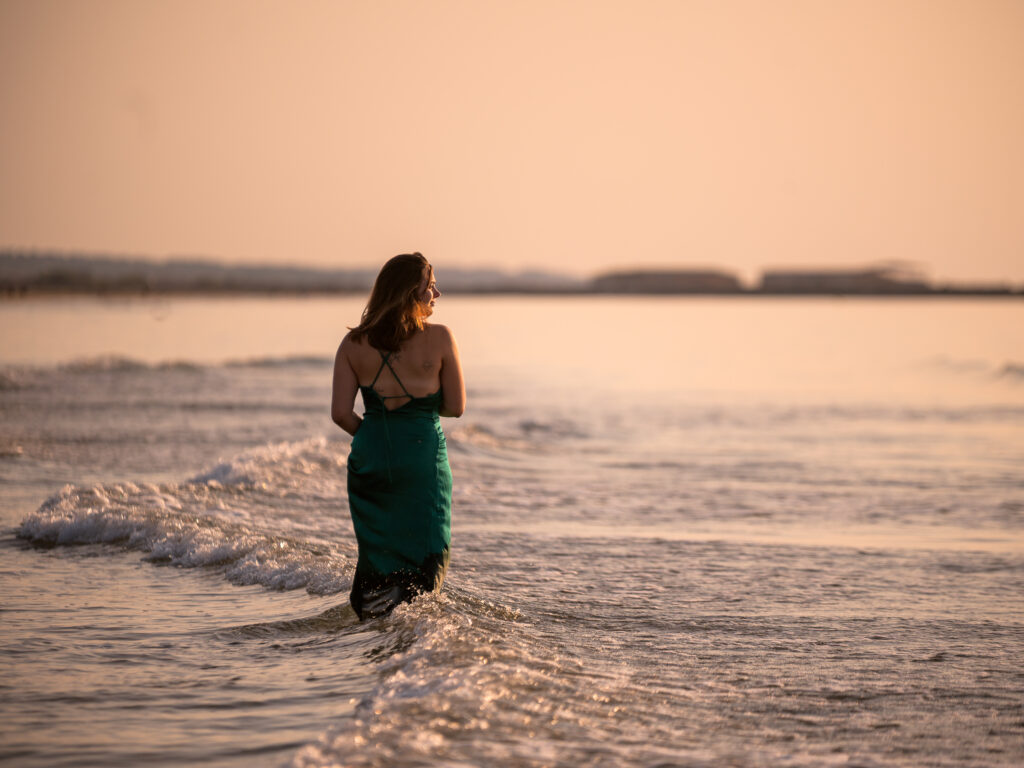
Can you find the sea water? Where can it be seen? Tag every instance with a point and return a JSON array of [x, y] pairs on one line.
[[686, 532]]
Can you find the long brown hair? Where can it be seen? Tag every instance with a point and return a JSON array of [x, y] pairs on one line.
[[394, 312]]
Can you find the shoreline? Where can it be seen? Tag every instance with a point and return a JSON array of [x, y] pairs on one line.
[[115, 293]]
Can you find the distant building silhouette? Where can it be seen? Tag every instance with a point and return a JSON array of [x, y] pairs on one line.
[[667, 281], [879, 280]]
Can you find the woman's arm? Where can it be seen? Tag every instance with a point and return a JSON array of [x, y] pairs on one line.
[[343, 393], [453, 387]]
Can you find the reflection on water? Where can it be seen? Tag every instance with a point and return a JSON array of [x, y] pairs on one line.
[[922, 351]]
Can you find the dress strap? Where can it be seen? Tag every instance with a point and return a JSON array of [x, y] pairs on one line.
[[385, 360], [382, 363]]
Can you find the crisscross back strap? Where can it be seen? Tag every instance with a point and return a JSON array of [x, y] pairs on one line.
[[385, 360]]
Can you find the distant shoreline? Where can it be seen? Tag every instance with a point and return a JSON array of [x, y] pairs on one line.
[[115, 293], [29, 274]]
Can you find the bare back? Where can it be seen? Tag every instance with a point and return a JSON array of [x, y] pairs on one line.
[[425, 363], [417, 365]]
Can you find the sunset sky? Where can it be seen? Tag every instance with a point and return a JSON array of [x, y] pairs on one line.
[[574, 136]]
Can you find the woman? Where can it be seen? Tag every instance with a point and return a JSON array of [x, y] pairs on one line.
[[399, 482]]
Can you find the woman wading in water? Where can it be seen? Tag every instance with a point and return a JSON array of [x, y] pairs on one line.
[[399, 481]]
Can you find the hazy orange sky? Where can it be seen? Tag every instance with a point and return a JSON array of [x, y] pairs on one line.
[[570, 135]]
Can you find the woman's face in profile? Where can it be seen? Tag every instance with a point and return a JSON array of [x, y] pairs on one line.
[[428, 292]]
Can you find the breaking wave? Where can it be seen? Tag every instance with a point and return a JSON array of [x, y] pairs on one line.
[[259, 517]]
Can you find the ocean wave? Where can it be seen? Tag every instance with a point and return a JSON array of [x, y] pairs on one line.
[[1011, 370], [279, 469], [889, 414], [553, 428], [512, 437], [655, 464], [12, 379], [11, 451], [287, 361], [231, 406], [477, 437], [150, 519], [104, 364], [484, 677], [957, 365], [335, 619], [10, 376], [121, 364], [214, 519]]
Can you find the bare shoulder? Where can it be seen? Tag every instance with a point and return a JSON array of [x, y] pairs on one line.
[[350, 345], [441, 334]]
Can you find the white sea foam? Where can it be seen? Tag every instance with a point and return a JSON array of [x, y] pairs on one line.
[[483, 678], [461, 664], [281, 469], [214, 519]]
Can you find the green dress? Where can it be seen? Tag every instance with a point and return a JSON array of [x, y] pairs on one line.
[[400, 497]]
